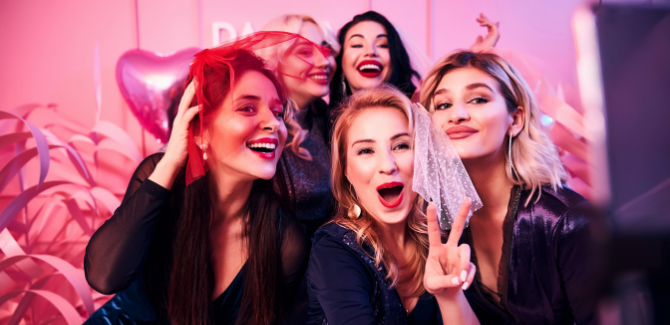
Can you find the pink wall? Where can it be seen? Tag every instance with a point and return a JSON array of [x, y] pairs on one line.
[[48, 46]]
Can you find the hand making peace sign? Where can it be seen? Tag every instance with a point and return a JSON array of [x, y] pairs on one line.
[[448, 266]]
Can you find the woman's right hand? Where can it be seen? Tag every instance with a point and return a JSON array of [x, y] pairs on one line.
[[177, 147], [448, 266]]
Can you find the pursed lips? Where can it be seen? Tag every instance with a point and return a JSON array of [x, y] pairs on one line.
[[460, 132]]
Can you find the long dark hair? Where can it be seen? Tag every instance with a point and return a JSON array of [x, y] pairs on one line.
[[401, 71], [191, 277]]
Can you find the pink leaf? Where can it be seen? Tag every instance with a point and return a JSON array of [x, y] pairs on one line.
[[40, 142]]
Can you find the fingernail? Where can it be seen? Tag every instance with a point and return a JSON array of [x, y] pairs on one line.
[[464, 275], [465, 286], [455, 281]]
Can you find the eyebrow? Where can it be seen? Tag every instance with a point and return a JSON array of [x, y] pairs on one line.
[[248, 97], [359, 35], [373, 141], [257, 98], [468, 87]]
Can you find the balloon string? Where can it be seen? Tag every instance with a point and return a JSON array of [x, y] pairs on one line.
[[200, 36], [137, 25]]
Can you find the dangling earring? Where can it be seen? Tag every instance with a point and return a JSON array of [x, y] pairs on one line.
[[355, 210], [509, 155], [203, 147], [344, 86]]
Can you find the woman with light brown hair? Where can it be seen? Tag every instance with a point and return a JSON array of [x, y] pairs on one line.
[[381, 260], [309, 163], [531, 238]]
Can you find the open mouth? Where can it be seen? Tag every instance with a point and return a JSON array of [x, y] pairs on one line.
[[370, 68], [321, 78], [264, 147], [391, 194]]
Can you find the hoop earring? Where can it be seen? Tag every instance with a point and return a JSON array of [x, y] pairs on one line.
[[203, 147], [509, 155]]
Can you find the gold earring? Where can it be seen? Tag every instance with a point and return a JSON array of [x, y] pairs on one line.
[[203, 147], [354, 211]]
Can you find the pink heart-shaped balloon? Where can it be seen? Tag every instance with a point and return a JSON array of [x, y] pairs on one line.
[[151, 83]]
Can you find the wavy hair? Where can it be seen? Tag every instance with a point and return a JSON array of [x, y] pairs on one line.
[[293, 24], [365, 227], [401, 68], [535, 161], [190, 275]]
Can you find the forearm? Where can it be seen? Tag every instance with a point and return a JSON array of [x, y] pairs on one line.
[[456, 310], [116, 252], [165, 173]]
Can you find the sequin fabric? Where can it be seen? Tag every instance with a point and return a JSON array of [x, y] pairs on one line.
[[311, 179], [439, 174], [385, 301]]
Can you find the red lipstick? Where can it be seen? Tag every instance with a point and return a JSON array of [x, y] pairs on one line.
[[370, 68], [460, 132], [391, 194], [264, 147]]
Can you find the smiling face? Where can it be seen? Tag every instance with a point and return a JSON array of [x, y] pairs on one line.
[[366, 58], [304, 70], [471, 109], [245, 140], [380, 163], [312, 32]]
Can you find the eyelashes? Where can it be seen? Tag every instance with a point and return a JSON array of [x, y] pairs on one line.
[[477, 100], [250, 110], [367, 150]]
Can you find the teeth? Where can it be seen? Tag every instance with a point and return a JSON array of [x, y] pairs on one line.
[[370, 66], [319, 77], [271, 146]]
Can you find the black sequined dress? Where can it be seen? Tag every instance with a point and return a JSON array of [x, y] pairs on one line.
[[312, 194], [345, 286]]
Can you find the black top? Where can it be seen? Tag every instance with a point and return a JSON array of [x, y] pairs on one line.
[[345, 287], [313, 196], [130, 252], [544, 271]]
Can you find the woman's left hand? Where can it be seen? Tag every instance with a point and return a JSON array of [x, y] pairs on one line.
[[490, 40], [448, 266]]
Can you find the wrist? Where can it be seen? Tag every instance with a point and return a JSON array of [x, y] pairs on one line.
[[168, 164]]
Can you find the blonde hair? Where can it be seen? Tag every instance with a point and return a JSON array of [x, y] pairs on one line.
[[535, 161], [365, 226], [293, 24]]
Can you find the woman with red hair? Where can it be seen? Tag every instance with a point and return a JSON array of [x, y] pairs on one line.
[[203, 234]]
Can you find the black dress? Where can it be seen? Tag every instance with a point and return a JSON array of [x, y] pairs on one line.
[[130, 252], [544, 271], [345, 287], [311, 179]]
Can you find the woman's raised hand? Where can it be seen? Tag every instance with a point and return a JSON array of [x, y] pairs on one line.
[[448, 266], [490, 40], [177, 147]]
